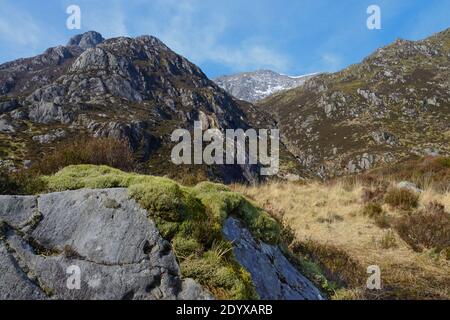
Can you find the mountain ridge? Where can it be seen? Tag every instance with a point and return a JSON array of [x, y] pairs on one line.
[[393, 105]]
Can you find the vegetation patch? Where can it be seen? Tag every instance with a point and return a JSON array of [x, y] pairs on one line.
[[402, 199], [190, 217], [426, 229]]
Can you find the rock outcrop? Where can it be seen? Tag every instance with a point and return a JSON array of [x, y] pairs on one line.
[[102, 233], [275, 278], [109, 242]]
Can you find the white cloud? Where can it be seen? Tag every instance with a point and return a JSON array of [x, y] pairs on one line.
[[109, 20], [18, 28], [201, 38], [331, 62]]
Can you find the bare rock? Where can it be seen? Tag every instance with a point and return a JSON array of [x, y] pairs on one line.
[[275, 278], [105, 235]]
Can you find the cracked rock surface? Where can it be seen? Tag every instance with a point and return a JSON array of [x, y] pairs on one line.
[[102, 233], [275, 278]]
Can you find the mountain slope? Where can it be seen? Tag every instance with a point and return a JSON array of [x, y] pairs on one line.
[[393, 105], [254, 86], [134, 89]]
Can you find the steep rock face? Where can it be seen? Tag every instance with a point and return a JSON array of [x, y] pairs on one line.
[[255, 86], [275, 278], [118, 251], [393, 105]]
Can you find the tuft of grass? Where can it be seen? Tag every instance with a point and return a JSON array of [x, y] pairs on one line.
[[191, 218], [388, 241], [402, 199]]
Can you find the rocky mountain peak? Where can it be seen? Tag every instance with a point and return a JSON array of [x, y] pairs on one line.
[[86, 40], [257, 85]]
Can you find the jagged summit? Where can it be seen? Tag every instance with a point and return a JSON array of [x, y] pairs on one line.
[[86, 40]]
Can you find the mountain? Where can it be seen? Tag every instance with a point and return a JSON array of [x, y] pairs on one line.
[[135, 89], [393, 105], [254, 86]]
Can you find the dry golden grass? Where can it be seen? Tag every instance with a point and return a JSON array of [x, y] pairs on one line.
[[331, 216]]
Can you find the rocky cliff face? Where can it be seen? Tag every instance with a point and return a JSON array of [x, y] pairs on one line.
[[393, 105], [134, 89], [255, 86], [118, 251]]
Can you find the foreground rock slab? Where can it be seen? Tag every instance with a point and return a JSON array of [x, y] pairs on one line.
[[100, 235]]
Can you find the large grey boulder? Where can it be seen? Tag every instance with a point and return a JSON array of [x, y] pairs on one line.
[[406, 185], [119, 253], [275, 278]]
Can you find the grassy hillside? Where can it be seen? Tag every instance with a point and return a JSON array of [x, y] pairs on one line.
[[349, 224]]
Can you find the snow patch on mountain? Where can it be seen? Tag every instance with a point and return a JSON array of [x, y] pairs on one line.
[[255, 86]]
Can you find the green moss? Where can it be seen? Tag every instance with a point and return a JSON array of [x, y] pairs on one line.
[[190, 217], [445, 162], [223, 276], [222, 202]]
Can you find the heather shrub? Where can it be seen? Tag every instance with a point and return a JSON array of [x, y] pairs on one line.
[[99, 151], [426, 229], [402, 199]]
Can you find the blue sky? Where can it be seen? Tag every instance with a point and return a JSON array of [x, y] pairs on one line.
[[289, 36]]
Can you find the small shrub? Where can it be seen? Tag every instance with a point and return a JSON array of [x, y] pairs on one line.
[[383, 221], [185, 248], [428, 228], [21, 182], [330, 218], [445, 162], [7, 184], [336, 264], [375, 211], [372, 210], [99, 151], [402, 199], [376, 195]]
